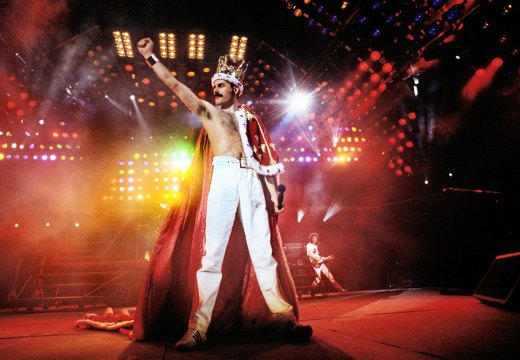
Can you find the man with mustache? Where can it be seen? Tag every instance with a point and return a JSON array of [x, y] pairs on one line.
[[244, 160]]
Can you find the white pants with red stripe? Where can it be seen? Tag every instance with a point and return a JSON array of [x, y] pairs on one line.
[[234, 187]]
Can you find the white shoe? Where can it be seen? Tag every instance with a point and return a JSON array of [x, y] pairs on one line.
[[190, 340]]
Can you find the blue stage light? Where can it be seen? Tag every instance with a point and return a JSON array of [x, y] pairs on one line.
[[435, 28], [419, 17], [376, 5]]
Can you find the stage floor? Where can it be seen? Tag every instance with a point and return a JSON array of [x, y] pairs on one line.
[[398, 324]]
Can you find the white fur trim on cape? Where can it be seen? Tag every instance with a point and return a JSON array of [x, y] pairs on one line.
[[273, 169]]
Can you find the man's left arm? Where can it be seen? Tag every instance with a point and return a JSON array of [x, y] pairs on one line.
[[271, 183]]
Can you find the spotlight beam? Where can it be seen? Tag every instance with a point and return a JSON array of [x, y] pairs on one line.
[[118, 106], [334, 207], [140, 118]]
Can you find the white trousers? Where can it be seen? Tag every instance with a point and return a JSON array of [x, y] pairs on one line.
[[232, 187], [323, 269]]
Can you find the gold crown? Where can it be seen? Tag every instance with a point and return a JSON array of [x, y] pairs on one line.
[[235, 68]]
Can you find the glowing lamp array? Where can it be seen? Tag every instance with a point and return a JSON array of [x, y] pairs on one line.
[[237, 49], [150, 177], [196, 44], [123, 44], [167, 45], [63, 149], [400, 144]]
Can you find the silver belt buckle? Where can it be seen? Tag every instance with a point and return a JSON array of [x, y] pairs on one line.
[[243, 163]]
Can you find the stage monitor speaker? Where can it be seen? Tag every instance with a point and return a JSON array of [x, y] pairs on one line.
[[501, 283]]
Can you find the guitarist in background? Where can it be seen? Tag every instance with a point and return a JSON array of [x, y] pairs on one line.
[[318, 263]]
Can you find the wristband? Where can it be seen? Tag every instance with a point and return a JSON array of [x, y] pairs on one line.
[[152, 60]]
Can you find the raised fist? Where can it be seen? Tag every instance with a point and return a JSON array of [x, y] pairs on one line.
[[145, 47]]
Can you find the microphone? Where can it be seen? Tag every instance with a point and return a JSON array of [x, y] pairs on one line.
[[477, 191], [281, 190]]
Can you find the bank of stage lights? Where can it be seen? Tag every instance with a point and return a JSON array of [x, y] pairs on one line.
[[150, 177], [29, 148], [158, 176], [168, 42], [344, 150]]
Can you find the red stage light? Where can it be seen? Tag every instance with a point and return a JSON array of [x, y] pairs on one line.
[[399, 172], [400, 148], [146, 81], [387, 67], [402, 122], [129, 68], [33, 103], [373, 93], [497, 62], [20, 112], [480, 73], [412, 116], [375, 56], [401, 135], [409, 144], [24, 96], [161, 93], [375, 78], [11, 104], [363, 66], [407, 169], [392, 140], [399, 161]]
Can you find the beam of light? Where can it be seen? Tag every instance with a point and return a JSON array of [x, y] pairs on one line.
[[140, 118], [301, 213], [334, 207], [118, 106]]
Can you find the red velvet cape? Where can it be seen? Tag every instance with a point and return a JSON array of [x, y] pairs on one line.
[[169, 295]]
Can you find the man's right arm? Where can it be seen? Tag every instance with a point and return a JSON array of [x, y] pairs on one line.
[[198, 106]]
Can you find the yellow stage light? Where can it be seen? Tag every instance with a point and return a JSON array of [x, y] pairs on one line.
[[196, 43]]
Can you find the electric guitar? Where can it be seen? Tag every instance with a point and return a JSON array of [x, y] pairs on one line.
[[317, 263]]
